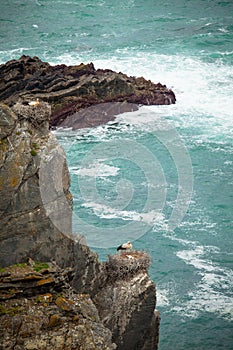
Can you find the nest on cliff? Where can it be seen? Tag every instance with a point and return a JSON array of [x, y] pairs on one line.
[[35, 115], [126, 264]]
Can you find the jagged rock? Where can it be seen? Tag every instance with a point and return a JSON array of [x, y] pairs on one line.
[[25, 227], [71, 88], [57, 319], [35, 224], [26, 216], [136, 325]]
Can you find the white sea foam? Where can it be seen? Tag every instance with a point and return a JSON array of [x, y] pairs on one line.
[[107, 212], [15, 52], [96, 169], [166, 295], [203, 90], [213, 293], [214, 290], [146, 119], [162, 297], [193, 257]]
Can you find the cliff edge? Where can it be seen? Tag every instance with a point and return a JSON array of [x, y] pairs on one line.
[[48, 306], [127, 301], [39, 310]]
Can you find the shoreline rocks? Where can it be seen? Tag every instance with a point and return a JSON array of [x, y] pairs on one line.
[[69, 89]]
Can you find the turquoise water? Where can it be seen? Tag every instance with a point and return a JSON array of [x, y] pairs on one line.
[[161, 176]]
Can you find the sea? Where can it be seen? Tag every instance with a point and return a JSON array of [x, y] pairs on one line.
[[160, 176]]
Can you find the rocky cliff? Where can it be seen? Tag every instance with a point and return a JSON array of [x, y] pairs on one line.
[[77, 302], [135, 324], [26, 228], [69, 89], [39, 310], [123, 303]]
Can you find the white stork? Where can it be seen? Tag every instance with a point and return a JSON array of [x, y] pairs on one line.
[[125, 246]]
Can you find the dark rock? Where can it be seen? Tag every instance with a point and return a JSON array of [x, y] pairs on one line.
[[71, 88], [136, 325], [35, 225], [97, 114]]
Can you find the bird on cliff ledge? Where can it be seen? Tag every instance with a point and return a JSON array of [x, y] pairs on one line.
[[125, 246], [34, 103]]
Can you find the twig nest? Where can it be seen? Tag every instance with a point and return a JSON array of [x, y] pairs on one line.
[[127, 264], [36, 115]]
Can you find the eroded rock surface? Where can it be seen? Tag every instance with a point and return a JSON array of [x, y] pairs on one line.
[[39, 310], [25, 144], [69, 89], [126, 302], [46, 309]]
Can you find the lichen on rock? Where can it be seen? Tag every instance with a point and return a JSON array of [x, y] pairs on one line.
[[57, 319], [25, 227]]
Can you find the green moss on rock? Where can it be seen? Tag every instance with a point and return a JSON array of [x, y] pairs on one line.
[[33, 153]]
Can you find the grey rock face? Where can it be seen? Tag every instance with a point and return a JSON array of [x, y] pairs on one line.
[[26, 144], [36, 222], [126, 302], [39, 310], [35, 201], [7, 122]]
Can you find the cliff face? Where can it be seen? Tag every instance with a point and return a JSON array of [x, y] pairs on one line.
[[25, 229], [39, 310], [125, 302], [69, 89], [27, 147]]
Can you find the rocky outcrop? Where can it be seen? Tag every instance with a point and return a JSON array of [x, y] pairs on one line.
[[69, 89], [25, 144], [126, 302], [35, 201], [39, 310], [35, 221], [47, 312]]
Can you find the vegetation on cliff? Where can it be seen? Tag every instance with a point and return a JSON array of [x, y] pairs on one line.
[[39, 310]]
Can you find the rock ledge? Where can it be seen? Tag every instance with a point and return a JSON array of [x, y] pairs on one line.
[[69, 89]]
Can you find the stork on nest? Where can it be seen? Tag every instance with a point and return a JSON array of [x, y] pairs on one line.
[[34, 103], [125, 246]]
